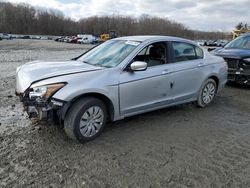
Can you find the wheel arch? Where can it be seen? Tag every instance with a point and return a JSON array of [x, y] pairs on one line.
[[102, 97], [212, 76], [199, 100], [216, 79]]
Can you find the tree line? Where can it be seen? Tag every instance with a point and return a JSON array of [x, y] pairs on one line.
[[25, 19]]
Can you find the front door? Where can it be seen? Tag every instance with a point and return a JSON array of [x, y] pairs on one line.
[[142, 91]]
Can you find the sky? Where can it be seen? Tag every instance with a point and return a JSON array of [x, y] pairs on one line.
[[206, 15]]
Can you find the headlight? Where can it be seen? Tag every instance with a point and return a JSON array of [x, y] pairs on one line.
[[45, 91], [247, 59]]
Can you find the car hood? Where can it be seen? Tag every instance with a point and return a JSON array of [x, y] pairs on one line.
[[232, 53], [39, 70]]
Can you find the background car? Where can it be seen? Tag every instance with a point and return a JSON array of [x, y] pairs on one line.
[[44, 38], [35, 37], [73, 39], [87, 39], [201, 42], [237, 55], [119, 78], [66, 39], [24, 37], [210, 43], [221, 43], [61, 39], [57, 39], [5, 36]]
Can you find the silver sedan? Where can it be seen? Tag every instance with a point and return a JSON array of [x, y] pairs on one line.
[[117, 79]]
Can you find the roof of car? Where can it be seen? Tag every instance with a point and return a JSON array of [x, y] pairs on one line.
[[143, 38]]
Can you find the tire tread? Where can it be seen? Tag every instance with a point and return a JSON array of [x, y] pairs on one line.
[[71, 116]]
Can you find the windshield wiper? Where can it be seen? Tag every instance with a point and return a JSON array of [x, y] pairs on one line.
[[96, 65], [86, 62]]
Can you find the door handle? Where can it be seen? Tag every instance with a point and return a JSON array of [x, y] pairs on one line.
[[166, 71], [201, 64]]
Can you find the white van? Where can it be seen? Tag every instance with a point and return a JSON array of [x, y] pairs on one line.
[[86, 39]]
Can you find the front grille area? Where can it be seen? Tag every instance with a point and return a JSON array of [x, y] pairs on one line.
[[231, 77], [232, 63]]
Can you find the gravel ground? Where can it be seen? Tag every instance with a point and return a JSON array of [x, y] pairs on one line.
[[182, 146]]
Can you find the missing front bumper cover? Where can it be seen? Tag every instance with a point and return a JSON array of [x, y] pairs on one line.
[[239, 77]]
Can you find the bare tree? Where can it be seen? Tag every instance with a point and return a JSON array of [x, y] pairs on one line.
[[24, 19]]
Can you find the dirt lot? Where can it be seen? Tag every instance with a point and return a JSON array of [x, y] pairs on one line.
[[183, 146]]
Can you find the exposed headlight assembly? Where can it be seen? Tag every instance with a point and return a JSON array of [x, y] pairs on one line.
[[45, 91]]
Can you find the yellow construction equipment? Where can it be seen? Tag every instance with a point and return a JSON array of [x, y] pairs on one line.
[[238, 32], [104, 37]]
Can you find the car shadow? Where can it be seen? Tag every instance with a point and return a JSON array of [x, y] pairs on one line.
[[161, 120], [238, 86], [52, 131], [149, 117]]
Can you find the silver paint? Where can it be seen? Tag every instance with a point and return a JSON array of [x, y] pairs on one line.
[[129, 93]]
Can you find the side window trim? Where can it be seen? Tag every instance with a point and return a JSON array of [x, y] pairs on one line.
[[196, 47], [171, 52]]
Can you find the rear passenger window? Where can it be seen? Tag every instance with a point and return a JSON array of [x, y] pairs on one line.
[[185, 52]]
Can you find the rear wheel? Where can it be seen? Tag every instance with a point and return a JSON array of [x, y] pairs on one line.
[[207, 93], [86, 119]]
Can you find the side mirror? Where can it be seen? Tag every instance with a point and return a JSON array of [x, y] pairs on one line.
[[138, 66]]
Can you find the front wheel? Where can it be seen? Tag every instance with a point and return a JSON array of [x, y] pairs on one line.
[[86, 119], [207, 93]]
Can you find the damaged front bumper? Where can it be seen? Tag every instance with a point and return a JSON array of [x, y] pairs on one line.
[[238, 71], [239, 76], [41, 109], [38, 100]]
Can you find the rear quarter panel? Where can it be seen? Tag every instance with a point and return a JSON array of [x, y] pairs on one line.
[[217, 67]]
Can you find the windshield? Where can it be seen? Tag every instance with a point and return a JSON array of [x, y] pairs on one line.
[[239, 43], [110, 53]]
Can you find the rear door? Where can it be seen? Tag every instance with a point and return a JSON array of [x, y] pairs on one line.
[[187, 75]]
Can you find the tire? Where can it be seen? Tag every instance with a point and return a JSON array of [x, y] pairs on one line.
[[207, 93], [86, 119]]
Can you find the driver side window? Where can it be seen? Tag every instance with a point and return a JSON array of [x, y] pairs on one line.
[[153, 54]]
